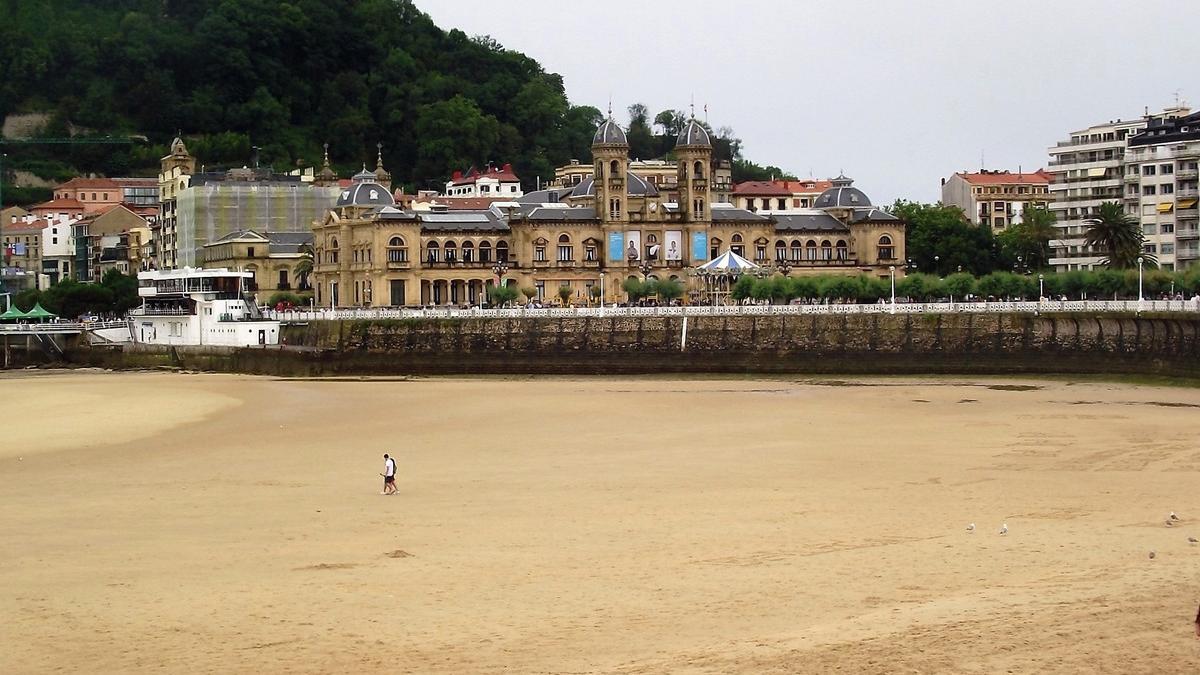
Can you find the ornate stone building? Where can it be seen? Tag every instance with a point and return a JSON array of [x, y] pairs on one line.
[[609, 227]]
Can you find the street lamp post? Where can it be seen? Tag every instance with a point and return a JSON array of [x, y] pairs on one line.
[[499, 269], [1140, 298], [1041, 287], [892, 274], [602, 292]]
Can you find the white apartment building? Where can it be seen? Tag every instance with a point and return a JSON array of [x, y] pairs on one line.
[[1161, 165], [1089, 169], [58, 247], [491, 182]]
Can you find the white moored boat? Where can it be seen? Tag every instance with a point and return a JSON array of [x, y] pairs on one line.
[[193, 306]]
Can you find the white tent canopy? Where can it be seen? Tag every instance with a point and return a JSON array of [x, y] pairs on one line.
[[729, 263]]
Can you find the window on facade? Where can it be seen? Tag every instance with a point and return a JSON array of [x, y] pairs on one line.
[[614, 208], [1149, 170], [782, 203], [780, 250], [886, 250], [539, 254], [589, 252], [450, 250], [841, 251], [797, 250], [810, 250], [1167, 169], [1167, 228], [485, 251], [614, 168], [1148, 190], [1166, 189], [1167, 249], [431, 252], [698, 169], [397, 251], [468, 252], [1150, 248], [698, 207], [502, 251], [826, 250], [714, 247], [566, 252], [333, 251]]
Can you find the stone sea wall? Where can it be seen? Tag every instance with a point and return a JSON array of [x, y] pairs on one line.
[[1161, 345]]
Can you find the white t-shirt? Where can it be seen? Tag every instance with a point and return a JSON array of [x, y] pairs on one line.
[[389, 467]]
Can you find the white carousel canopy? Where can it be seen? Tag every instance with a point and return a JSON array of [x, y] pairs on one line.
[[730, 263]]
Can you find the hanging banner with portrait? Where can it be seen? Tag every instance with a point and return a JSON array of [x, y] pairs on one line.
[[699, 246], [616, 247], [633, 246], [674, 244]]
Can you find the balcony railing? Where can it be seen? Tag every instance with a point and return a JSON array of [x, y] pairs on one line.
[[398, 264], [1133, 178], [1184, 174], [1186, 194]]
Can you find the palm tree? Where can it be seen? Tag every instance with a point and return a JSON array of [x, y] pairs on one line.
[[1118, 236], [304, 268]]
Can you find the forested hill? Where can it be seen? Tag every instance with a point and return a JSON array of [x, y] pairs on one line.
[[285, 75]]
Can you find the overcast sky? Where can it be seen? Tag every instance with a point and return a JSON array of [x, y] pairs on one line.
[[896, 94]]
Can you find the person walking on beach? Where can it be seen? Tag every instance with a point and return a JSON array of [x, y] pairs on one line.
[[1198, 622], [389, 475]]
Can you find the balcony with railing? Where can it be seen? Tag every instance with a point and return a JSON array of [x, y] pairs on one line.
[[1187, 232], [1185, 174]]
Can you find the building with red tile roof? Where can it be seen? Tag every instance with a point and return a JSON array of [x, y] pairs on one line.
[[778, 196], [996, 198], [490, 182]]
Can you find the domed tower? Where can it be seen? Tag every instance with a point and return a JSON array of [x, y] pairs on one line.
[[610, 153], [842, 199], [693, 150]]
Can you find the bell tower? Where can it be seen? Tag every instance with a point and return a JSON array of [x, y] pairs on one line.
[[610, 155], [693, 151]]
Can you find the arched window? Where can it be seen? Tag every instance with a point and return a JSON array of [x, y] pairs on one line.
[[396, 250], [431, 252], [502, 251], [841, 249], [566, 252], [736, 245], [797, 250], [614, 169], [810, 250], [333, 251], [886, 250], [736, 238], [780, 250], [450, 251], [698, 169], [826, 250], [485, 251], [714, 248], [468, 251]]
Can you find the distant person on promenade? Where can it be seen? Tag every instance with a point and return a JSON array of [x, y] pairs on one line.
[[1198, 622], [389, 475]]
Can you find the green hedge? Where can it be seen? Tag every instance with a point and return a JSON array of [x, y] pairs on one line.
[[1076, 285]]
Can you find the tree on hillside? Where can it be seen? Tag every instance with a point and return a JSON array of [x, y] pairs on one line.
[[671, 122], [939, 239], [641, 138], [1117, 236]]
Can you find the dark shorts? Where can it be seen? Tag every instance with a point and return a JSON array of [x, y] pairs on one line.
[[389, 479]]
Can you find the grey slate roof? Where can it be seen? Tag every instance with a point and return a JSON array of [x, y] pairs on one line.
[[610, 133], [724, 214], [872, 214], [635, 187], [809, 221], [289, 242], [462, 220], [843, 195], [693, 134], [365, 193], [240, 234], [555, 213], [547, 196]]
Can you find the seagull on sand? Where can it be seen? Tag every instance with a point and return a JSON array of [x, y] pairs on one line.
[[1172, 516], [1168, 523], [1004, 529], [1152, 554], [971, 528], [1193, 541]]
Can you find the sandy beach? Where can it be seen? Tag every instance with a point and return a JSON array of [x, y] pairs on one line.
[[171, 523]]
